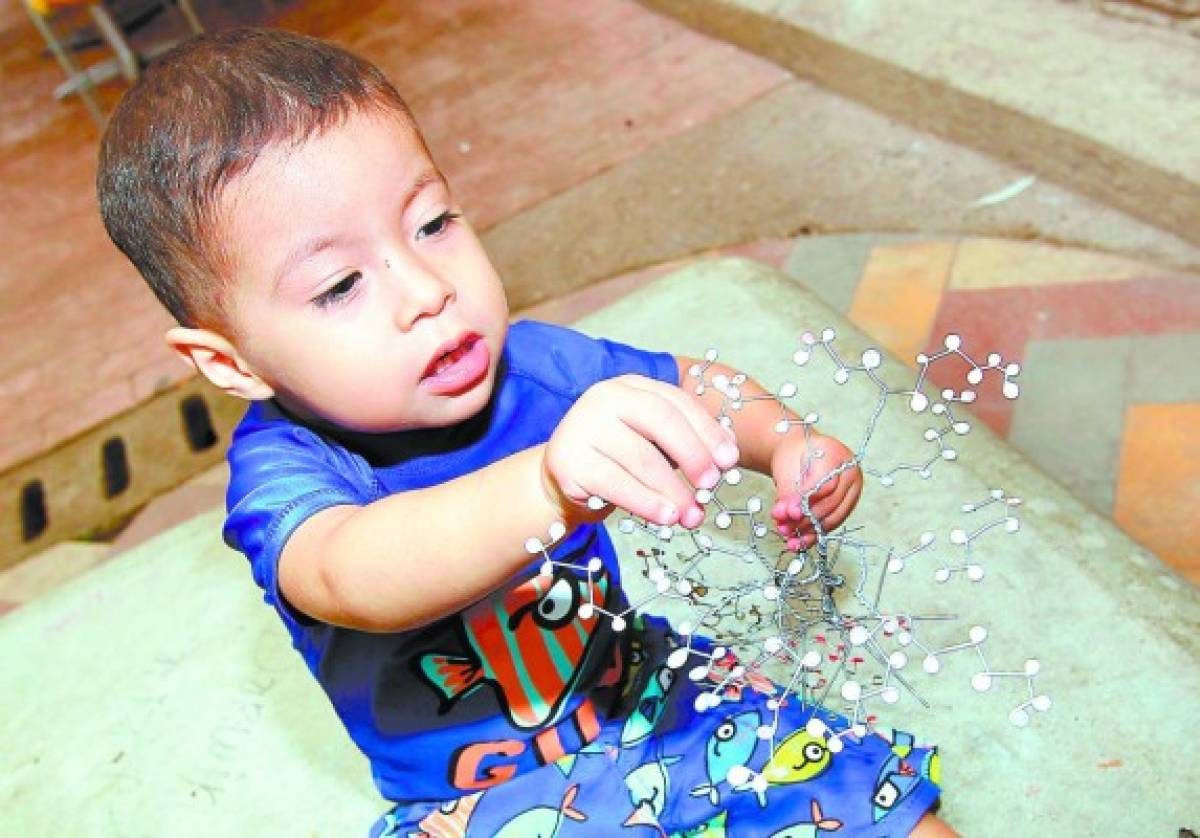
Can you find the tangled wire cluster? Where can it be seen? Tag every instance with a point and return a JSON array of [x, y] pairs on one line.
[[813, 624]]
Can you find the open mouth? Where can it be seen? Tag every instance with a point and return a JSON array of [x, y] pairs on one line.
[[451, 355], [458, 365]]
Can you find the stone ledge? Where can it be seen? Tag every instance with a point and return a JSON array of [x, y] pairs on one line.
[[1100, 105]]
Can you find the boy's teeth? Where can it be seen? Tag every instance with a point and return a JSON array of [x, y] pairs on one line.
[[451, 358]]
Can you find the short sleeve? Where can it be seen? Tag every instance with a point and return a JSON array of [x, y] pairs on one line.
[[578, 361], [280, 475]]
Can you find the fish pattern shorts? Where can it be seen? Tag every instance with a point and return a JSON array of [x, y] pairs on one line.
[[663, 768]]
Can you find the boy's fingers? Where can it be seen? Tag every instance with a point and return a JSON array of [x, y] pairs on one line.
[[617, 486], [661, 422], [843, 510], [819, 510], [647, 465], [718, 440], [801, 543]]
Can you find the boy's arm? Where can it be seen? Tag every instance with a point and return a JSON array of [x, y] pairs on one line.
[[412, 557], [754, 424], [830, 489]]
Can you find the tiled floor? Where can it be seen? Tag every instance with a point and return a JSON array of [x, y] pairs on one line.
[[1110, 389]]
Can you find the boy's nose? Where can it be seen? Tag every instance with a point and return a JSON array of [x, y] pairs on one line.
[[418, 291]]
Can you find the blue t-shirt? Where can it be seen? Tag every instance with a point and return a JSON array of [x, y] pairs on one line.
[[512, 682]]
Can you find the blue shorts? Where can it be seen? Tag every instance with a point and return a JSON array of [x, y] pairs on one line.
[[663, 768]]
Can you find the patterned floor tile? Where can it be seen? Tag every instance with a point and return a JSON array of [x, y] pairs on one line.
[[899, 294], [1158, 490], [1002, 263], [1099, 337]]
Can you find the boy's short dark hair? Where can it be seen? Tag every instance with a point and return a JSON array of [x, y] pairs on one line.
[[200, 116]]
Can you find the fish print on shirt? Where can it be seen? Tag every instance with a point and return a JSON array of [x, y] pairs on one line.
[[530, 642]]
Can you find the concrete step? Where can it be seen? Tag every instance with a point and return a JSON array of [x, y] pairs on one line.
[[1104, 106], [797, 160], [207, 719]]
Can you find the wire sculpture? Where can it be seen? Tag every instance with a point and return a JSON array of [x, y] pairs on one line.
[[816, 619]]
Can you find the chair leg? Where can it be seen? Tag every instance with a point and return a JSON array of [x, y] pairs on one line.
[[116, 39], [185, 6], [86, 89]]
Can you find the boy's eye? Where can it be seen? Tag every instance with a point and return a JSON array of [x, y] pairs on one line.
[[438, 224], [339, 292]]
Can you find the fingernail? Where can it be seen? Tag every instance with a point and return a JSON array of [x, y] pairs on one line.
[[669, 514], [693, 517], [710, 478], [727, 453]]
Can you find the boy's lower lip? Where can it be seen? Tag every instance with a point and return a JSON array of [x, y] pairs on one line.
[[463, 374]]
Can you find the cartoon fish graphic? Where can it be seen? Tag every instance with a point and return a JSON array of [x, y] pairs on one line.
[[649, 785], [566, 763], [896, 781], [931, 766], [650, 707], [530, 642], [543, 821], [799, 758], [819, 823], [732, 743], [450, 818], [901, 742]]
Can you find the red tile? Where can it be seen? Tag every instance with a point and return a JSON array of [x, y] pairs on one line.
[[1005, 320]]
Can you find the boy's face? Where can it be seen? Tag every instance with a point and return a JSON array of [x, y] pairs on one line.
[[358, 295]]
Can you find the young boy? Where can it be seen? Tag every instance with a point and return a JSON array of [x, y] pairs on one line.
[[403, 443]]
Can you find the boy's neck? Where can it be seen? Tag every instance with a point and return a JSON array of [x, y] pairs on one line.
[[388, 449]]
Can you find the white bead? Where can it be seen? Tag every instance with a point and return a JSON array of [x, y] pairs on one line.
[[738, 775], [677, 658]]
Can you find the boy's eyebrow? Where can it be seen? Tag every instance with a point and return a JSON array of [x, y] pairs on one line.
[[427, 177], [314, 246], [305, 251]]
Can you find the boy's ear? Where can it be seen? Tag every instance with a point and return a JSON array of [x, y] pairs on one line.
[[217, 360]]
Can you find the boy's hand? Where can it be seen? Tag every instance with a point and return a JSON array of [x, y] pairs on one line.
[[622, 441], [796, 474]]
